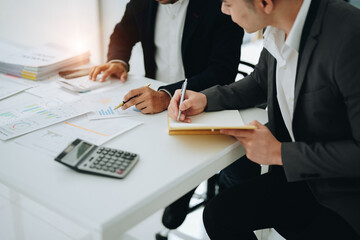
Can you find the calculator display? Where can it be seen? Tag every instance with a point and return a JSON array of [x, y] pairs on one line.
[[82, 148], [73, 156]]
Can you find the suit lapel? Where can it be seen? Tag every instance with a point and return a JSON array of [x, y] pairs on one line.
[[151, 19], [308, 43], [193, 16]]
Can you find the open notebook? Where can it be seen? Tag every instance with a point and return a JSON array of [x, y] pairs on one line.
[[208, 123]]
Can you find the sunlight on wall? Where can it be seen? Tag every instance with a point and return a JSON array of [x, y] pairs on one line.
[[69, 23]]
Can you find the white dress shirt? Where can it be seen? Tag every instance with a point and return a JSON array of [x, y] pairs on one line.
[[286, 53], [169, 26]]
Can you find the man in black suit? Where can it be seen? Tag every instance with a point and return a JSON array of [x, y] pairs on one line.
[[206, 45], [309, 75], [208, 51]]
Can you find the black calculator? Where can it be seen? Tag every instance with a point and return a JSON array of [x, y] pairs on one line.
[[86, 157]]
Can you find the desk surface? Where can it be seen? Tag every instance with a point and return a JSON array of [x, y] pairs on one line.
[[169, 166]]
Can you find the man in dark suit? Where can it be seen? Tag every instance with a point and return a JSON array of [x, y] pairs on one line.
[[208, 51], [309, 75], [201, 41]]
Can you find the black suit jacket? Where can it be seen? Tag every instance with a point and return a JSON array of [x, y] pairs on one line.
[[326, 121], [210, 44]]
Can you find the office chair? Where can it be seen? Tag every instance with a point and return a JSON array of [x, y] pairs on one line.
[[249, 65], [212, 188]]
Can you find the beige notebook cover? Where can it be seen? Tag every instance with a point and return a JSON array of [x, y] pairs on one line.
[[208, 123]]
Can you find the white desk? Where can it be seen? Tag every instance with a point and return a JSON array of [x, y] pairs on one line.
[[169, 166]]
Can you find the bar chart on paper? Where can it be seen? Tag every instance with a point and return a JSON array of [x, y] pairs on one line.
[[19, 120], [109, 112], [106, 112]]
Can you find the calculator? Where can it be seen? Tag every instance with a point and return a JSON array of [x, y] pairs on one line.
[[89, 158], [82, 84]]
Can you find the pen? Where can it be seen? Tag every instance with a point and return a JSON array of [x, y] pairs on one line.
[[183, 90], [123, 102]]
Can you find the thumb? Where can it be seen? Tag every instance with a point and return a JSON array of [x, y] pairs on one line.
[[257, 124], [123, 77], [186, 104]]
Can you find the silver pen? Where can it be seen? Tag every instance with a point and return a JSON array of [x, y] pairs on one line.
[[183, 90]]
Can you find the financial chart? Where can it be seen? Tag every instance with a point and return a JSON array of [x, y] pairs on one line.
[[19, 120]]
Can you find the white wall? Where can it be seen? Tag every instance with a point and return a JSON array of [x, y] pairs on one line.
[[72, 23]]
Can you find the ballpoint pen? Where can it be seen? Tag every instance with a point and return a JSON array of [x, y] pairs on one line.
[[123, 102], [183, 90]]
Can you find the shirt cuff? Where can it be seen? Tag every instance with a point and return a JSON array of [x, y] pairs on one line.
[[164, 90], [120, 61]]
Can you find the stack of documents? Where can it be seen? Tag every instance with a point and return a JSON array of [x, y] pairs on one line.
[[42, 62]]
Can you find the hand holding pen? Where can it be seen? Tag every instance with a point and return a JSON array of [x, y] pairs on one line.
[[193, 104], [123, 102], [146, 100], [183, 91]]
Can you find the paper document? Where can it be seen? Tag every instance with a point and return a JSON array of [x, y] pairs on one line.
[[52, 90], [9, 86], [25, 118], [109, 112], [106, 103], [54, 139]]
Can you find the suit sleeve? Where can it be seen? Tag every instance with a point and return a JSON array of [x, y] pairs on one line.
[[224, 59], [124, 36], [245, 93], [333, 159]]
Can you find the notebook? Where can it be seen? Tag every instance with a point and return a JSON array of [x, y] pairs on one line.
[[208, 123]]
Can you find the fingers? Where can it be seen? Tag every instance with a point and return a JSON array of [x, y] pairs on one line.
[[257, 124], [173, 108], [134, 97], [95, 71], [105, 75], [108, 69], [123, 76], [238, 133], [186, 104]]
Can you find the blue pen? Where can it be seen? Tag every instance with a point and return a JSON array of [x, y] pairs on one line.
[[183, 90]]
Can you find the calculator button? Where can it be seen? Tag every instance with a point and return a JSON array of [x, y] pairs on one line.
[[119, 171]]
